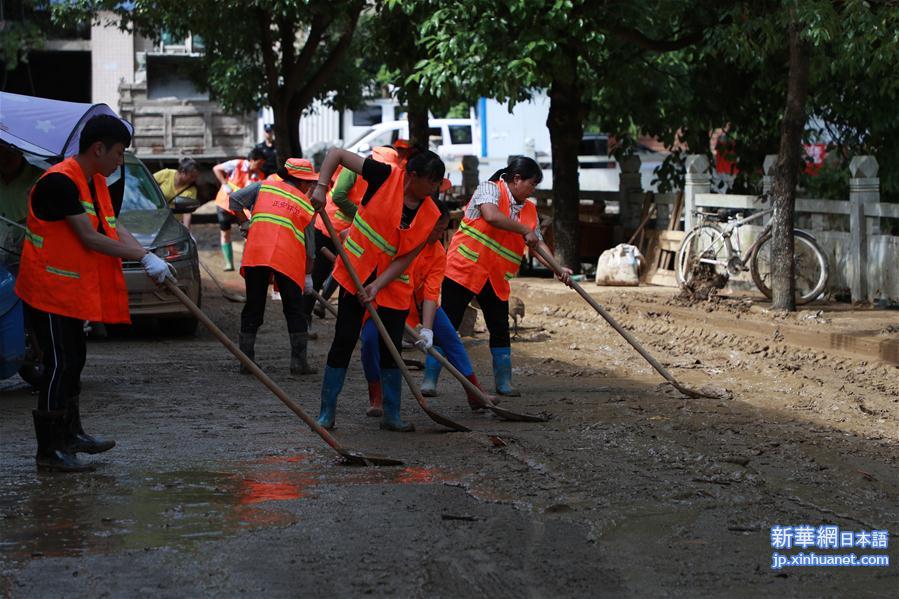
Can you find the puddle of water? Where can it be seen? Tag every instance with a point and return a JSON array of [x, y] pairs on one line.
[[57, 516]]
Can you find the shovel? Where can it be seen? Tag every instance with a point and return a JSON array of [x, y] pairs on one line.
[[350, 457], [231, 297], [394, 352], [557, 268], [501, 412]]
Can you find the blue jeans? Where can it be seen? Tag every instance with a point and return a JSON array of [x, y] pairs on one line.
[[445, 337]]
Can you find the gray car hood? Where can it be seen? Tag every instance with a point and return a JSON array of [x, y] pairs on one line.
[[153, 228]]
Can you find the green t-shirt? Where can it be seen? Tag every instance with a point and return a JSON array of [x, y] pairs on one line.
[[166, 180], [14, 206]]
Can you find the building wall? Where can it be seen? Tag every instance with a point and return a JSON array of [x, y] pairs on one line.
[[112, 60]]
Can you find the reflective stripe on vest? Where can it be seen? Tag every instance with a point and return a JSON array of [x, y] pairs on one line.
[[281, 221], [111, 221], [468, 252], [490, 244], [89, 208], [373, 236], [287, 195], [353, 247], [63, 273], [36, 240]]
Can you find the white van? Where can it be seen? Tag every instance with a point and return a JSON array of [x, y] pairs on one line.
[[450, 138]]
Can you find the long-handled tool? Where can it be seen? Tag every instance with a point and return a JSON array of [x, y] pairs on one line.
[[351, 457], [231, 297], [557, 268], [394, 352], [501, 412]]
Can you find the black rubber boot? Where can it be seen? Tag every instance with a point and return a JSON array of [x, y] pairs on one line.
[[247, 344], [298, 363], [53, 455], [78, 440]]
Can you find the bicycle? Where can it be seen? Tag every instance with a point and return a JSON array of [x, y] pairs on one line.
[[709, 247]]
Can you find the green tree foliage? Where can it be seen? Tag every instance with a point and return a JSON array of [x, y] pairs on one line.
[[280, 53], [572, 48]]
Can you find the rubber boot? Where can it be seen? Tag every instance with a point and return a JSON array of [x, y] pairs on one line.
[[392, 388], [228, 253], [247, 344], [332, 384], [298, 363], [374, 400], [474, 401], [78, 440], [432, 372], [502, 371], [50, 428]]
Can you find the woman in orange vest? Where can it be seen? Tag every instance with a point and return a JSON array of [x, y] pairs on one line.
[[277, 248], [427, 277], [485, 254], [393, 222], [233, 175], [71, 271], [347, 189]]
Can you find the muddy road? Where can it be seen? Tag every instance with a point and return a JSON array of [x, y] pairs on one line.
[[216, 489]]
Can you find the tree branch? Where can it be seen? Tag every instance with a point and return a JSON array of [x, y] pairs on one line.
[[268, 53], [636, 37], [294, 71], [313, 83]]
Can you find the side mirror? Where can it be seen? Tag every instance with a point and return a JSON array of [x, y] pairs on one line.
[[183, 205]]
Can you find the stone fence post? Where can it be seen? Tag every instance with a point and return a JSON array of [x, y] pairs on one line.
[[696, 180], [630, 193], [864, 188]]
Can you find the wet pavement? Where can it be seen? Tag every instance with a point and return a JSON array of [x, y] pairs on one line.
[[216, 489]]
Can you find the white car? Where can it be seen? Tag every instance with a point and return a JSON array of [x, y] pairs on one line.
[[450, 138]]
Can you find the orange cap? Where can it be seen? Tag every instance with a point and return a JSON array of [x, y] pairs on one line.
[[301, 168]]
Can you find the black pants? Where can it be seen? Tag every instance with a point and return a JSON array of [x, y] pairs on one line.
[[455, 298], [350, 313], [321, 268], [257, 279], [61, 339]]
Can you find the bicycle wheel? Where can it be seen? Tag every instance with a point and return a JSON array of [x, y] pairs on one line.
[[704, 247], [812, 269]]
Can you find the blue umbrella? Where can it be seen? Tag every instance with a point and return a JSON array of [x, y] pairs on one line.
[[46, 128]]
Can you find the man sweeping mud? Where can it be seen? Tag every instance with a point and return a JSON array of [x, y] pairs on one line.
[[71, 271]]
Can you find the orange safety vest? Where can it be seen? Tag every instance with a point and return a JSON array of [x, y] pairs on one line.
[[375, 239], [276, 238], [343, 221], [427, 278], [58, 274], [340, 220], [480, 252], [238, 179]]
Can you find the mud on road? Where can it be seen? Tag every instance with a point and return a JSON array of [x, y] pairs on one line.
[[629, 490]]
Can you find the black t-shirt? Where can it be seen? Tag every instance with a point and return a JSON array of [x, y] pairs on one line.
[[55, 197], [271, 158], [375, 174]]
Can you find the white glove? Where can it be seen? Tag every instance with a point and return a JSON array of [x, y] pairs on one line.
[[157, 268], [425, 339], [308, 286]]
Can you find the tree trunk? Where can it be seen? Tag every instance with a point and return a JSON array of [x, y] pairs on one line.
[[294, 112], [786, 174], [282, 131], [565, 123], [417, 114]]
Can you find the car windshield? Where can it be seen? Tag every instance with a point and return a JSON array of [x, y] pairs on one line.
[[141, 191]]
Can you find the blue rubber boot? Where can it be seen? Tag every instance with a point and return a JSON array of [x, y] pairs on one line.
[[502, 371], [391, 389], [432, 372], [332, 384]]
